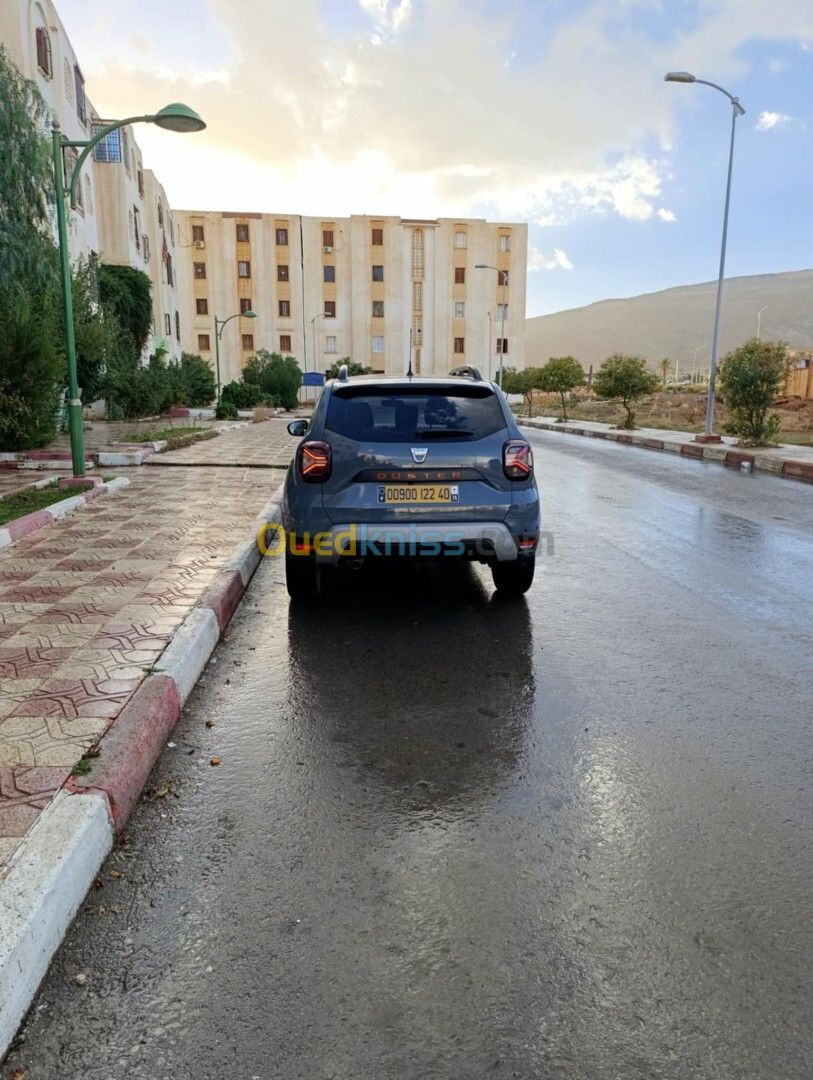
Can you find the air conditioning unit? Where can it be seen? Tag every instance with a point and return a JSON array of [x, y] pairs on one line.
[[200, 244], [327, 250]]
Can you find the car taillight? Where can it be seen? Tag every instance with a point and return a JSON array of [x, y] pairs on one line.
[[517, 460], [313, 461]]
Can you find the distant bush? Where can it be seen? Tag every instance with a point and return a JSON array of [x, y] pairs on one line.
[[226, 410], [195, 381], [242, 395], [749, 379]]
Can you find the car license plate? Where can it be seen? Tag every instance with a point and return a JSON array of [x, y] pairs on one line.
[[414, 494]]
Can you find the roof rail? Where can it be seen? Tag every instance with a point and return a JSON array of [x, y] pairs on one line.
[[466, 372]]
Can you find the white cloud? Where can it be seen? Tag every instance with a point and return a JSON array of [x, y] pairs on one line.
[[666, 215], [769, 120], [539, 261]]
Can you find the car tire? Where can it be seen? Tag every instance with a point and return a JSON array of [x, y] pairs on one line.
[[514, 578], [301, 576]]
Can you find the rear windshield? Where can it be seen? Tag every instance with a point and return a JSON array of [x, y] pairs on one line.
[[377, 415]]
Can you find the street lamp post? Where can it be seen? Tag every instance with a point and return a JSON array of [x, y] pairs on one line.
[[319, 315], [736, 110], [176, 117], [503, 275], [490, 336], [219, 324], [759, 319]]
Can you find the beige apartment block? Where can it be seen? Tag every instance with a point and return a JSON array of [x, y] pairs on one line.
[[122, 214], [382, 290]]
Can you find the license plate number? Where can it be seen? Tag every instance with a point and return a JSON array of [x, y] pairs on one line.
[[414, 494]]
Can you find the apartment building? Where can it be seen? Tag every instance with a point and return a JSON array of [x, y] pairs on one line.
[[383, 290], [122, 214]]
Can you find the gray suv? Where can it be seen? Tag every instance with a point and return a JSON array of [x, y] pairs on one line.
[[410, 467]]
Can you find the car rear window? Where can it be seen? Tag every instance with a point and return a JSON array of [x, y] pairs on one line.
[[405, 414]]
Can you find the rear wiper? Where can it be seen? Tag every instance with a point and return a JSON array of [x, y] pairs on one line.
[[441, 433]]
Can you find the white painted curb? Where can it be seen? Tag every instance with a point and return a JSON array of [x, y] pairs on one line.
[[185, 657], [48, 878]]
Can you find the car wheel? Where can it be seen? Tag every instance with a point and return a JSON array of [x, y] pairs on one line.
[[301, 576], [514, 578]]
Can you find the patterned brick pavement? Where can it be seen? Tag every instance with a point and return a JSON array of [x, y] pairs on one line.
[[265, 444], [88, 603]]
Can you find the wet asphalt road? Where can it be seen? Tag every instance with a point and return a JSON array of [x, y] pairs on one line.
[[453, 838]]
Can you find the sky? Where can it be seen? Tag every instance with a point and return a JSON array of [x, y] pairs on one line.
[[549, 112]]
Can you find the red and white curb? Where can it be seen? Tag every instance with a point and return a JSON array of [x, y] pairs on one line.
[[20, 527], [721, 453], [49, 874]]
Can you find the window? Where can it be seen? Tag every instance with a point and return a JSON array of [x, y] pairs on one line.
[[502, 277], [329, 273], [145, 240], [378, 237], [248, 342], [125, 150], [203, 342], [44, 52], [198, 235], [471, 411], [505, 243], [459, 310], [378, 273], [285, 309], [160, 209], [245, 304], [81, 104], [327, 238], [202, 307], [200, 270], [378, 344], [137, 228], [67, 72], [460, 275], [285, 343], [140, 178], [169, 270], [378, 309], [243, 268], [72, 156], [459, 345], [167, 324], [282, 272], [330, 309], [242, 234], [177, 326], [459, 239], [109, 148], [330, 344], [282, 238], [502, 311], [502, 346]]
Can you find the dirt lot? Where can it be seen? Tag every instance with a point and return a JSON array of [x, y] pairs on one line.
[[677, 412]]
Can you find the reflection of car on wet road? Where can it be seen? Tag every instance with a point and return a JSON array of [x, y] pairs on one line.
[[411, 467]]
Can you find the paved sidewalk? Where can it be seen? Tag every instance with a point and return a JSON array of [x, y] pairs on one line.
[[794, 462], [89, 603], [266, 444]]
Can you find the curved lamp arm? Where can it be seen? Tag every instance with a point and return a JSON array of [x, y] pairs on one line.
[[88, 146]]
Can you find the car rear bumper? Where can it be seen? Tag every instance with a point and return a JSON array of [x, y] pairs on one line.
[[489, 541]]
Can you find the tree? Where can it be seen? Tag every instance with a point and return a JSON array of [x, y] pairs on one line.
[[353, 368], [128, 293], [625, 378], [196, 381], [522, 382], [560, 375], [279, 377], [32, 363], [749, 379], [664, 365]]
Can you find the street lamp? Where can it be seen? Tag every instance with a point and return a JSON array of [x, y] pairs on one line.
[[504, 278], [490, 335], [320, 315], [219, 324], [175, 117], [759, 318], [736, 110]]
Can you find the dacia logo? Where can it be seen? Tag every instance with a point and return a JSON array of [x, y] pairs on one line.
[[419, 454]]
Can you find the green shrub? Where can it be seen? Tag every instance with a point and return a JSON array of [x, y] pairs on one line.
[[279, 377], [195, 381], [624, 378], [30, 369], [226, 411], [242, 395], [749, 379]]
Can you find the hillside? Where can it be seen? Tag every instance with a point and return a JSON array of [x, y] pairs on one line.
[[673, 323]]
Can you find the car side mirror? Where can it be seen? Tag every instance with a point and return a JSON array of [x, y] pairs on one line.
[[298, 428]]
